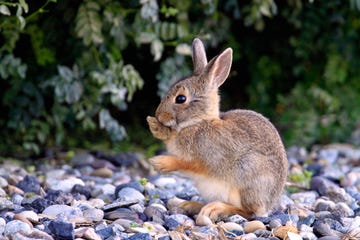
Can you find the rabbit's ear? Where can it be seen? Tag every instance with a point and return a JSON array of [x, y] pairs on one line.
[[198, 56], [218, 68]]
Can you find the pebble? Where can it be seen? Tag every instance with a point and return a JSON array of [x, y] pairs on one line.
[[130, 194], [102, 172], [94, 214], [252, 226], [62, 230], [29, 184], [62, 210], [15, 226], [2, 226], [102, 196], [65, 185]]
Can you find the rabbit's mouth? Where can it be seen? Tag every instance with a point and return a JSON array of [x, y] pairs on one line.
[[170, 123]]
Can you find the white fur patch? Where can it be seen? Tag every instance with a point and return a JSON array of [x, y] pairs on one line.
[[212, 189]]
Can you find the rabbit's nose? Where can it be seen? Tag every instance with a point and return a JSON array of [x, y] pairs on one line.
[[165, 118]]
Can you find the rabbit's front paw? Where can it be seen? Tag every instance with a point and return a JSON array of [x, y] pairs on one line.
[[157, 129], [163, 163]]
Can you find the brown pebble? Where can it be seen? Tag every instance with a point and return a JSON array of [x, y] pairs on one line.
[[11, 189], [252, 226], [282, 231], [22, 218], [102, 172]]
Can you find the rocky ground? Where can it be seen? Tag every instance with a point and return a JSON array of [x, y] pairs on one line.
[[99, 196]]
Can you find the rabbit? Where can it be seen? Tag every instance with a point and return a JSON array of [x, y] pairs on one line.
[[236, 158]]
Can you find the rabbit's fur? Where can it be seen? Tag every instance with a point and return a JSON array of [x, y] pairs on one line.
[[236, 158]]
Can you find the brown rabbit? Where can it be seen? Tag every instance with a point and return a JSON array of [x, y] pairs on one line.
[[236, 158]]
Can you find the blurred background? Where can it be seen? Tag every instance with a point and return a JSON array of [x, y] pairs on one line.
[[85, 74]]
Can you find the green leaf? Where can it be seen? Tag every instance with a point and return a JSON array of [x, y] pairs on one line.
[[24, 5], [4, 10], [88, 24]]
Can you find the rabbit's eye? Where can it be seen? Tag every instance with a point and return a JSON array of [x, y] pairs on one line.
[[180, 99]]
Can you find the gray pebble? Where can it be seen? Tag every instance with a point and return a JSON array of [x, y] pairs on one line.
[[15, 226], [129, 194], [120, 203], [342, 210], [2, 226], [122, 213], [82, 159], [6, 204], [3, 182], [175, 220], [65, 185], [63, 210], [140, 236], [94, 214], [305, 197], [134, 184], [2, 193]]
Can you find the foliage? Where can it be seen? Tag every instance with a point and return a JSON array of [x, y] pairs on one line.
[[68, 70]]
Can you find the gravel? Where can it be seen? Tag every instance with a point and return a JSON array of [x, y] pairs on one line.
[[103, 196]]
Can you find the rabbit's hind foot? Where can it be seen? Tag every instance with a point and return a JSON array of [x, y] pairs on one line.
[[218, 210]]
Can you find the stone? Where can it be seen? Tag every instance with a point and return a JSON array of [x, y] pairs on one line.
[[155, 212], [30, 215], [83, 190], [39, 204], [322, 229], [128, 194], [125, 159], [140, 236], [165, 182], [119, 204], [172, 221], [330, 155], [301, 210], [6, 204], [2, 226], [65, 185], [94, 214], [248, 236], [327, 188], [282, 231], [134, 184], [29, 184], [342, 210], [87, 233], [82, 159], [263, 233], [275, 223], [3, 182], [62, 230], [37, 234], [305, 197], [324, 205], [122, 213], [102, 163], [15, 226], [254, 225], [2, 193], [236, 219], [230, 226], [105, 232], [102, 172], [57, 210], [59, 197]]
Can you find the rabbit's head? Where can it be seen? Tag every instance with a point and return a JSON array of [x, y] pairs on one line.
[[196, 98]]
